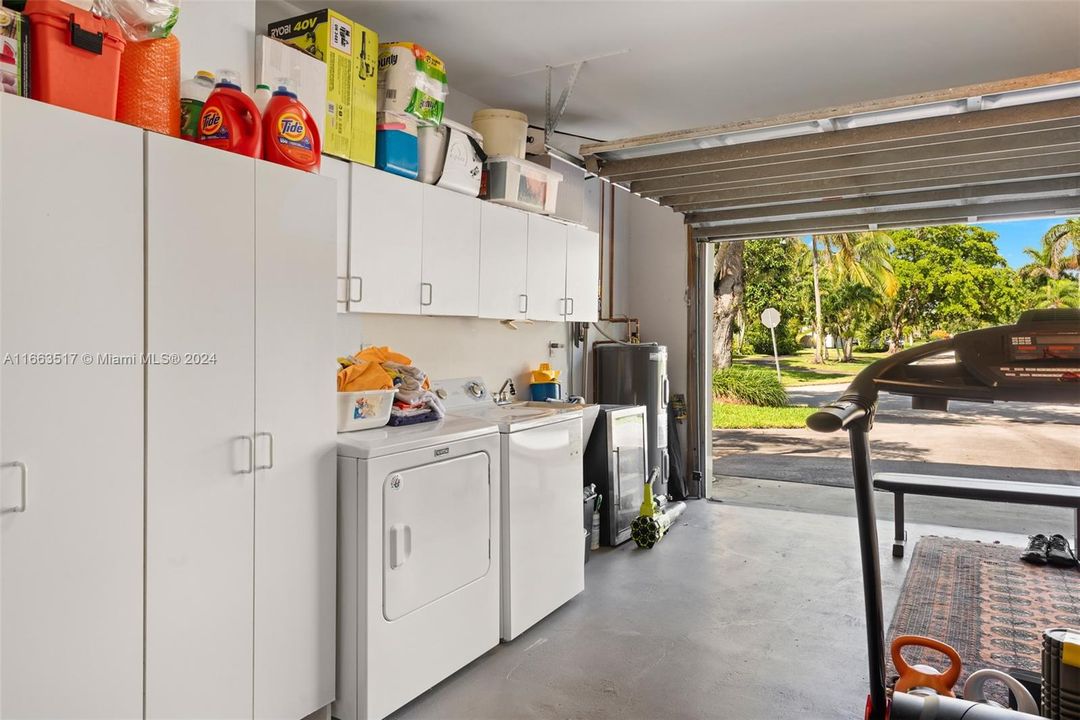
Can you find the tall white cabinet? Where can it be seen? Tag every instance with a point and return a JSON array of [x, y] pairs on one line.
[[71, 429], [240, 443]]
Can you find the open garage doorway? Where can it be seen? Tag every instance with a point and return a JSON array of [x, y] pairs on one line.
[[920, 171], [849, 299]]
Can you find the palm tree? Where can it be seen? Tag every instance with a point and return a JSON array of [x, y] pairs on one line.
[[1062, 293], [857, 258], [1055, 257]]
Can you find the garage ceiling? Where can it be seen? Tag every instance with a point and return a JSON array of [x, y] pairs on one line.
[[985, 152], [666, 65]]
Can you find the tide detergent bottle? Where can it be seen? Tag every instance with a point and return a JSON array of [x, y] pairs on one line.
[[290, 136], [230, 119]]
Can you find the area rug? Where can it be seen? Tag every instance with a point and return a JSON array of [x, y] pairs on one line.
[[981, 599]]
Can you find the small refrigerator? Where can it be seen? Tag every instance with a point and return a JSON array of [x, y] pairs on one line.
[[637, 375], [615, 461]]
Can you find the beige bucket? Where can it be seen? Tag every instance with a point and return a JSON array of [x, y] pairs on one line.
[[504, 131]]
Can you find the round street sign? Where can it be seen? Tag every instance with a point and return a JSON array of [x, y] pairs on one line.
[[770, 317]]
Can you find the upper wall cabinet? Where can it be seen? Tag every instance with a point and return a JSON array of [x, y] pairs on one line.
[[504, 256], [385, 242], [412, 249], [450, 253], [582, 271]]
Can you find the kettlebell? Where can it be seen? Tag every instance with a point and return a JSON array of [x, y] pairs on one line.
[[923, 677], [973, 690]]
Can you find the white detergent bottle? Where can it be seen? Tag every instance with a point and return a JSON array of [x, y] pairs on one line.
[[262, 97], [193, 94]]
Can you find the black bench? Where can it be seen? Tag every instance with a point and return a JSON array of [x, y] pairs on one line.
[[1006, 491]]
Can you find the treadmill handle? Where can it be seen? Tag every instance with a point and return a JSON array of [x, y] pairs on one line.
[[837, 415]]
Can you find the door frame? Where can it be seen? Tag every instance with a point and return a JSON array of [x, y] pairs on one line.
[[699, 270]]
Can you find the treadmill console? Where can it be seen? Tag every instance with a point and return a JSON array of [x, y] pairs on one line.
[[1035, 360]]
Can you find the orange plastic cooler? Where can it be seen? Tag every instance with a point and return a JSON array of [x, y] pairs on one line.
[[75, 57]]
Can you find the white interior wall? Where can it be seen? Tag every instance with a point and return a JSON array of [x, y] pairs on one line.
[[218, 34]]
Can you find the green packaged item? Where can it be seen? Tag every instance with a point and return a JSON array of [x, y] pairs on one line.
[[412, 81]]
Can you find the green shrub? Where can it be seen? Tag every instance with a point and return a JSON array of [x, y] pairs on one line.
[[758, 337], [749, 384], [939, 335]]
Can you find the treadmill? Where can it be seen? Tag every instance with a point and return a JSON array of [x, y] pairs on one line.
[[1037, 360]]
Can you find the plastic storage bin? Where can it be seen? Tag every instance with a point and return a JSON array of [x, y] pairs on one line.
[[452, 157], [75, 60], [364, 410], [396, 145], [521, 184]]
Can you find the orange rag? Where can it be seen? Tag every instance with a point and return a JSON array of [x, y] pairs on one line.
[[367, 372]]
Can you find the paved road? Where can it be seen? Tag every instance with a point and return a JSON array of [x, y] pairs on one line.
[[1008, 441]]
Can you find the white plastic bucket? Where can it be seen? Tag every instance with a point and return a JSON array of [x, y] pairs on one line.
[[364, 410], [504, 131]]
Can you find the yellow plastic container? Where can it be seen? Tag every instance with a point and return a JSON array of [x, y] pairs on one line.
[[544, 374]]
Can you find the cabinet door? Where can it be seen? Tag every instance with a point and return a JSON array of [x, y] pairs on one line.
[[295, 398], [547, 269], [339, 171], [200, 420], [451, 254], [71, 223], [582, 274], [504, 262], [385, 241]]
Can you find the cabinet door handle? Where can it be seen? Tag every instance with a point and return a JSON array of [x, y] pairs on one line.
[[342, 282], [250, 454], [571, 311], [24, 481], [562, 306], [358, 283], [270, 448], [523, 303], [430, 293]]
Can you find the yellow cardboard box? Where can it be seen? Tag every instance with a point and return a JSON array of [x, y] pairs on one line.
[[365, 93], [328, 36]]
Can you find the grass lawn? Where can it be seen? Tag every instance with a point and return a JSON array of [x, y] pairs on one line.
[[799, 369], [740, 417]]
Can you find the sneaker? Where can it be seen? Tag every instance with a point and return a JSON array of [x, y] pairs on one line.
[[1059, 553], [1036, 550]]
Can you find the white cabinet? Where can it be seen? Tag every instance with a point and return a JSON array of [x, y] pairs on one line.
[[582, 273], [240, 446], [339, 171], [504, 251], [200, 421], [71, 530], [296, 444], [385, 241], [409, 248], [546, 277], [450, 271]]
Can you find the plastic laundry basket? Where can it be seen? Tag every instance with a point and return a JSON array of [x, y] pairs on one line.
[[75, 61], [364, 410]]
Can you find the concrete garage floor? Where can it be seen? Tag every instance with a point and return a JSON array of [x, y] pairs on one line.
[[741, 613]]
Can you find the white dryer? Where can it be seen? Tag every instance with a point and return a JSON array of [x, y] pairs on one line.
[[543, 549], [418, 559]]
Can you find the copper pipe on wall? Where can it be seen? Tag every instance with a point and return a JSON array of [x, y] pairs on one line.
[[633, 325]]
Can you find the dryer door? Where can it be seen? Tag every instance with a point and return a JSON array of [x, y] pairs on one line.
[[436, 539]]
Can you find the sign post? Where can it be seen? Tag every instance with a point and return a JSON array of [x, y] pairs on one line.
[[770, 318]]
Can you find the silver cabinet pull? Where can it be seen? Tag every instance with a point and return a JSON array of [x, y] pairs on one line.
[[270, 448], [571, 301], [358, 283], [250, 454], [523, 303], [24, 481], [342, 282], [562, 306], [430, 293]]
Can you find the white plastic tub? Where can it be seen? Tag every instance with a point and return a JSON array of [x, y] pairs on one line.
[[504, 131], [522, 184], [449, 159], [364, 410]]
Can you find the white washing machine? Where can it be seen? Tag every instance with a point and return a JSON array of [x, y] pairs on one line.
[[418, 559], [543, 549]]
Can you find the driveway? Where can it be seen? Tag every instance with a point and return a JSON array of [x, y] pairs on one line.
[[1007, 441]]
